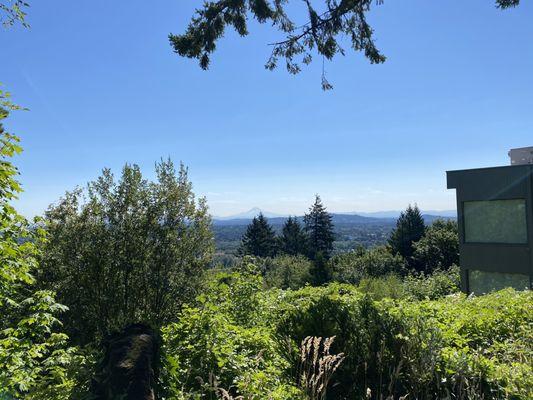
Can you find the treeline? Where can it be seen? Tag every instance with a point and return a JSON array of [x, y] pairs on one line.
[[306, 250], [314, 239]]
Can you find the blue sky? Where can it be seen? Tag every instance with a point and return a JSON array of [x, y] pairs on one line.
[[104, 88]]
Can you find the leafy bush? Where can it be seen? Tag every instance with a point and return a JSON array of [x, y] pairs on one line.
[[454, 347], [126, 251], [34, 355], [439, 247], [362, 263], [224, 344], [478, 347], [434, 286], [413, 286], [246, 341], [389, 286], [287, 272], [363, 332]]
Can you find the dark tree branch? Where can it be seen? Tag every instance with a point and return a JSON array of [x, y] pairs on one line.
[[320, 34]]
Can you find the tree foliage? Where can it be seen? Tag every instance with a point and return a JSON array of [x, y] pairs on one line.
[[287, 272], [328, 23], [410, 228], [126, 251], [12, 11], [319, 229], [354, 266], [33, 352], [439, 247], [259, 239], [293, 240]]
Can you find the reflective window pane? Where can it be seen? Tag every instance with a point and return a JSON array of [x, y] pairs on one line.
[[481, 282], [495, 221]]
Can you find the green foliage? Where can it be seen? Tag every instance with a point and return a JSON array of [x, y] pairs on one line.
[[319, 229], [413, 286], [326, 24], [480, 347], [245, 340], [34, 357], [410, 228], [12, 11], [354, 266], [293, 240], [320, 33], [434, 286], [361, 330], [454, 347], [225, 343], [439, 247], [259, 239], [133, 251], [287, 272]]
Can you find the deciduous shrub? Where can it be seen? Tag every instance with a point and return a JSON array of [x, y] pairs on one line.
[[126, 250], [454, 347], [223, 345], [246, 341], [362, 263], [439, 247], [287, 272], [34, 355], [432, 286]]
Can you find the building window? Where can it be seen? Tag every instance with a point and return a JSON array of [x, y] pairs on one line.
[[495, 221], [481, 282]]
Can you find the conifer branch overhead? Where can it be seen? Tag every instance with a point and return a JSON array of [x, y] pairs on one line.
[[320, 35]]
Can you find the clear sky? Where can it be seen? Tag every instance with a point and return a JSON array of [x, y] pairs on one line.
[[104, 88]]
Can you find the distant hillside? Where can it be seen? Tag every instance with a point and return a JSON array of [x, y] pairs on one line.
[[337, 219], [351, 230], [250, 214], [396, 213]]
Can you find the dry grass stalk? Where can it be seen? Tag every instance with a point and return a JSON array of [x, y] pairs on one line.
[[317, 365]]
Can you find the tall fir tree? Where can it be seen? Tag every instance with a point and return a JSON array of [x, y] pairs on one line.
[[410, 228], [259, 239], [293, 239], [319, 229]]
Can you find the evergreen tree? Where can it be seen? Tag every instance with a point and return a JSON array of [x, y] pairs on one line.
[[410, 228], [319, 229], [327, 22], [293, 240], [259, 239]]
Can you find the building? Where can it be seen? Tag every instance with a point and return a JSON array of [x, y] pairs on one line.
[[495, 219]]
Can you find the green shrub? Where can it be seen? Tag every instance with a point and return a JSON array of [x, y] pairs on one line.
[[362, 332], [436, 285], [453, 347], [245, 340], [413, 286], [483, 346], [389, 286], [439, 247], [287, 272], [354, 266], [224, 343]]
